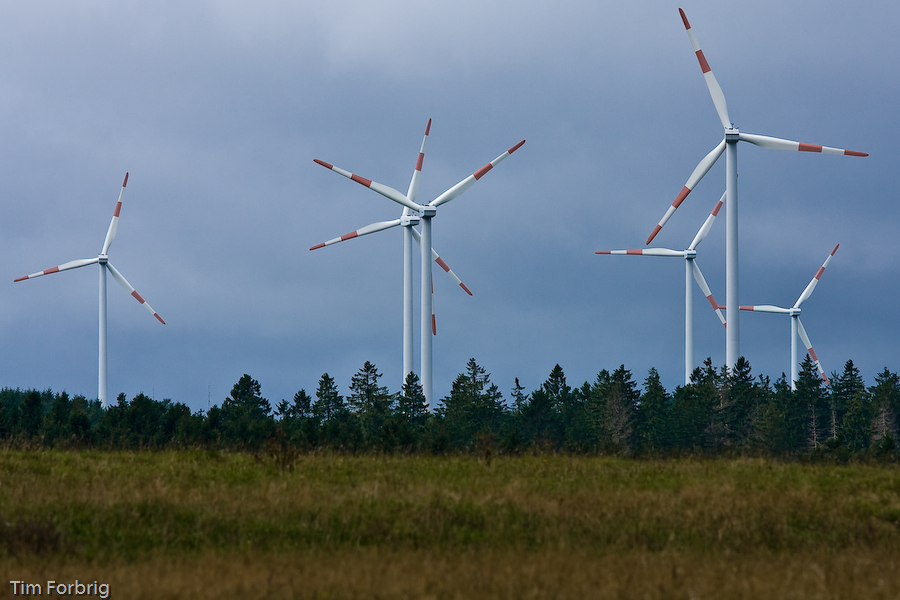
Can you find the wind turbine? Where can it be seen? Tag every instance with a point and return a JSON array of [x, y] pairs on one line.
[[103, 260], [690, 269], [729, 146], [796, 325], [424, 213], [408, 220]]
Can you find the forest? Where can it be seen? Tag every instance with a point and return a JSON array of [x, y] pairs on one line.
[[721, 412]]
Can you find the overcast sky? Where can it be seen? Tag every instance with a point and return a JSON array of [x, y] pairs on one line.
[[218, 108]]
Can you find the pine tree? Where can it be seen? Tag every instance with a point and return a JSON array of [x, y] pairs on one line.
[[474, 405], [328, 401], [811, 394], [56, 421], [612, 407], [518, 397], [246, 414], [411, 403], [542, 415], [30, 414], [652, 418], [302, 406], [886, 406], [739, 409], [849, 393], [372, 403]]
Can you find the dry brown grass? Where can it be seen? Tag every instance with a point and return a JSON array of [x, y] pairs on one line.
[[210, 525], [381, 573]]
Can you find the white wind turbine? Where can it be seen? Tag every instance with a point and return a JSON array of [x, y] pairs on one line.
[[425, 213], [103, 260], [729, 146], [690, 269], [408, 220], [796, 325]]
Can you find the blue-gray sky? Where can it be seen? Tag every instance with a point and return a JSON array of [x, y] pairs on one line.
[[217, 110]]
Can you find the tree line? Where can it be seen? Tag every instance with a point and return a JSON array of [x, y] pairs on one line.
[[722, 411]]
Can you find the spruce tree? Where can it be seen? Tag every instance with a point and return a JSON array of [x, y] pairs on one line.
[[328, 400], [885, 406], [474, 405], [812, 396], [850, 394], [652, 418], [411, 403]]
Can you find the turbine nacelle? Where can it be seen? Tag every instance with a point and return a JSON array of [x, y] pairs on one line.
[[410, 220]]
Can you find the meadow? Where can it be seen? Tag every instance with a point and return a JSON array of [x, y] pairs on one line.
[[212, 524]]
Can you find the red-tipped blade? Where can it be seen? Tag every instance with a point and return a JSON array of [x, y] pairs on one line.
[[73, 264], [380, 226], [466, 183], [114, 223], [815, 280], [128, 288], [699, 171], [386, 191], [773, 143], [715, 91]]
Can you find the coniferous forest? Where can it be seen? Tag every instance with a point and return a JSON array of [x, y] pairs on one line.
[[721, 412]]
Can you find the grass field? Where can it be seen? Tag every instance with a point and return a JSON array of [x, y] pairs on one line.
[[219, 525]]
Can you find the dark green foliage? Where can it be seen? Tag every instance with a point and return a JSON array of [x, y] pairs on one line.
[[611, 410], [812, 396], [245, 419], [411, 402], [652, 424], [720, 411], [302, 407], [30, 414], [474, 405], [411, 414], [849, 392], [885, 405], [540, 417], [781, 427], [328, 402], [372, 405]]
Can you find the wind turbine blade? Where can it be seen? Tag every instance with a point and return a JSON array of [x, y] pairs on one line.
[[707, 225], [114, 223], [809, 348], [718, 97], [701, 281], [128, 288], [380, 226], [644, 252], [433, 317], [466, 183], [386, 191], [773, 143], [414, 182], [701, 169], [418, 238], [815, 280], [767, 308], [74, 264]]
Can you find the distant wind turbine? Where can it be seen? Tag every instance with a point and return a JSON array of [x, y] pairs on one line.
[[408, 220], [690, 270], [796, 325], [103, 260], [729, 146], [425, 213]]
